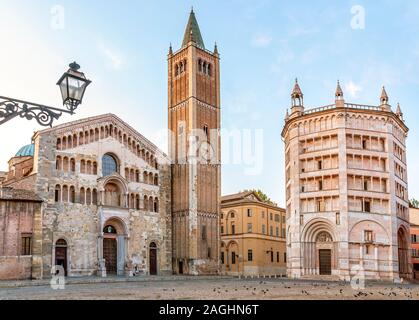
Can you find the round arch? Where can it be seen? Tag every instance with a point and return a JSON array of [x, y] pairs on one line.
[[316, 226]]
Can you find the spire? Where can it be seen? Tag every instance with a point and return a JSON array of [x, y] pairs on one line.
[[399, 112], [192, 32], [287, 116], [215, 48], [384, 96], [296, 92], [297, 98], [170, 49], [339, 92]]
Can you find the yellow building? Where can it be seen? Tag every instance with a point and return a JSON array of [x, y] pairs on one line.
[[253, 236]]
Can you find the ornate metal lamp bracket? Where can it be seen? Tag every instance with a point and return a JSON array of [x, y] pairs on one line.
[[44, 115]]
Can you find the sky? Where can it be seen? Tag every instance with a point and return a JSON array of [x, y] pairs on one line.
[[264, 45]]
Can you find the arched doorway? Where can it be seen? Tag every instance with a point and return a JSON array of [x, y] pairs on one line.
[[114, 246], [61, 254], [232, 258], [110, 249], [153, 259], [402, 242], [319, 248]]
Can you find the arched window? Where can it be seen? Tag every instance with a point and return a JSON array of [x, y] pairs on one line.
[[65, 194], [70, 142], [72, 195], [109, 165], [89, 167], [176, 70], [57, 193], [137, 202], [58, 144], [94, 197], [72, 165], [156, 205], [145, 203], [82, 166], [95, 168], [156, 179], [88, 196], [81, 138], [137, 176], [82, 196], [200, 65], [109, 230], [209, 70], [58, 163], [65, 164], [74, 140]]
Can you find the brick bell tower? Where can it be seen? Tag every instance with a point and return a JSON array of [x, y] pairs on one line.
[[194, 148]]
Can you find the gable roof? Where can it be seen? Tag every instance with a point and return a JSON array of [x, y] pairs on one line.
[[63, 128], [245, 197]]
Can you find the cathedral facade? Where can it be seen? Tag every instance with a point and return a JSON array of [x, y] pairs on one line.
[[112, 202], [346, 190]]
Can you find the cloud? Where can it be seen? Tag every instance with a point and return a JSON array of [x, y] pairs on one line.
[[261, 40], [352, 89], [114, 60]]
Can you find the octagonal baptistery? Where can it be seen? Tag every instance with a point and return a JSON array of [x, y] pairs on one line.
[[346, 190], [107, 196]]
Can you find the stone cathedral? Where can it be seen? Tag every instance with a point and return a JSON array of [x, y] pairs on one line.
[[95, 197]]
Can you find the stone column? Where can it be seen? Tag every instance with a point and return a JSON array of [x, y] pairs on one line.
[[121, 255]]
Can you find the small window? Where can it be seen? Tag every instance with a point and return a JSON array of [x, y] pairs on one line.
[[271, 231], [206, 131], [368, 236], [271, 216], [249, 228], [365, 185], [249, 213], [364, 144], [272, 256], [320, 165], [209, 253], [277, 257], [263, 229], [285, 257], [222, 229], [250, 255], [367, 206], [233, 258], [320, 185], [109, 230], [222, 257], [337, 218], [26, 245], [233, 229], [204, 233]]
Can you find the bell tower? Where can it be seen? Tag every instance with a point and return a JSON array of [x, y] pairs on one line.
[[194, 148]]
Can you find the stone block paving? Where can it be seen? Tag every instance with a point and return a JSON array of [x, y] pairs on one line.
[[198, 288]]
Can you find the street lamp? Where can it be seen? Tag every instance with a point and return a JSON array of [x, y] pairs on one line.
[[73, 84]]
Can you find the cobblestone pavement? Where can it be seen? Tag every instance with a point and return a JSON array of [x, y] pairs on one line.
[[214, 288]]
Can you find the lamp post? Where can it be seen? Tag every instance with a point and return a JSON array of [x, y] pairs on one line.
[[72, 83]]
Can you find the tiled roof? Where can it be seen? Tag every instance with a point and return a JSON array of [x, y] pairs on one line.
[[18, 194], [26, 151]]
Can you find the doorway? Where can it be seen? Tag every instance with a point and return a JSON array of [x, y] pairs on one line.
[[110, 255], [325, 262], [61, 254], [153, 259], [180, 267]]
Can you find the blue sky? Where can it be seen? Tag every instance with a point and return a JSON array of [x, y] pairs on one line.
[[264, 45]]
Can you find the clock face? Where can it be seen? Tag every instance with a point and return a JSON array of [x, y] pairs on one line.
[[206, 152]]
